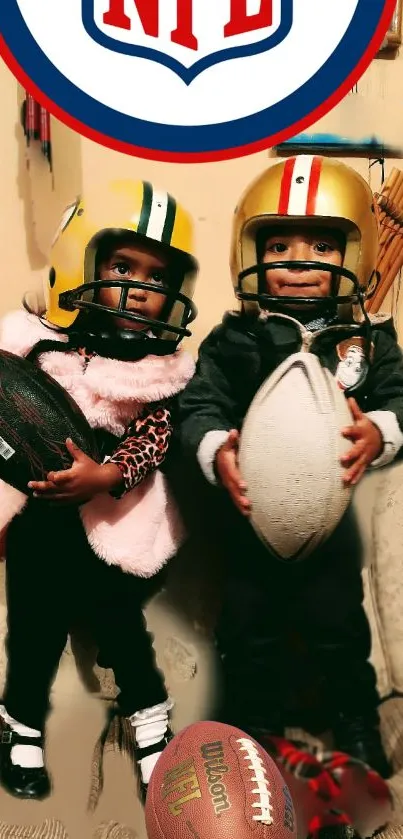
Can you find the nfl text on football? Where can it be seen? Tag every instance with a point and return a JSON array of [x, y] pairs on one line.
[[212, 780]]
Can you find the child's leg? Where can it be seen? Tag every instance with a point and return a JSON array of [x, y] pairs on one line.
[[126, 646], [333, 620], [252, 645], [36, 635]]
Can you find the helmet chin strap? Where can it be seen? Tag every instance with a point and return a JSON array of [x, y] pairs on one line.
[[327, 304], [308, 309], [325, 309], [261, 269], [122, 344], [93, 327]]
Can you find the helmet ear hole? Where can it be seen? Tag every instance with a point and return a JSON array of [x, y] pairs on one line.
[[372, 285], [52, 277]]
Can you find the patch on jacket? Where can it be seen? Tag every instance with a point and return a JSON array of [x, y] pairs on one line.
[[353, 365]]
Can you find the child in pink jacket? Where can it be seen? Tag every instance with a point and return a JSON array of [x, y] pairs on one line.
[[91, 541]]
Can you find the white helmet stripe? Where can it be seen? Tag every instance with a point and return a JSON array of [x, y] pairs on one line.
[[158, 215], [300, 185]]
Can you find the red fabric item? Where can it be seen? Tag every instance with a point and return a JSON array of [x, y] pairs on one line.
[[333, 794], [31, 118], [36, 123]]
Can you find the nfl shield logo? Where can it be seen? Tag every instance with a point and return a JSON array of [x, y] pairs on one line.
[[191, 81], [188, 36]]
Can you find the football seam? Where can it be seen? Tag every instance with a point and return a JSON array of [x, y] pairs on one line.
[[260, 778]]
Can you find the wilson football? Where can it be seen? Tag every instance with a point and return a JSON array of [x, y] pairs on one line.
[[214, 780], [289, 457]]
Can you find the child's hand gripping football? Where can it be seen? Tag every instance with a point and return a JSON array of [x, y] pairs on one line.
[[81, 482], [367, 445], [226, 464]]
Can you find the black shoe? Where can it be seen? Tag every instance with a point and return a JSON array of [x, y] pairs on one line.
[[140, 753], [258, 727], [20, 782], [264, 732], [361, 738]]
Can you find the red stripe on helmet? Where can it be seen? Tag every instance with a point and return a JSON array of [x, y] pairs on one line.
[[285, 188], [313, 186]]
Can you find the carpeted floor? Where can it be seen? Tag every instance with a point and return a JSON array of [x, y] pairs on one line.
[[50, 829], [94, 788], [95, 795], [392, 727], [109, 787], [53, 829]]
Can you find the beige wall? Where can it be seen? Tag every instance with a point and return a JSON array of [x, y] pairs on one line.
[[21, 257], [33, 197]]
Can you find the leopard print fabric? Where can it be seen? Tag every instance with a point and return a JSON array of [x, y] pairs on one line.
[[144, 445]]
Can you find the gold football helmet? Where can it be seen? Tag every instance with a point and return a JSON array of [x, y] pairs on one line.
[[307, 190], [72, 287]]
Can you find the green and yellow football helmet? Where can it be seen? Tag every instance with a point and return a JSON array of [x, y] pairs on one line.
[[72, 287]]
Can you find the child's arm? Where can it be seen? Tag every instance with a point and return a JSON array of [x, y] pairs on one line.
[[377, 435], [385, 408], [81, 482], [209, 423], [140, 452], [207, 408], [143, 449]]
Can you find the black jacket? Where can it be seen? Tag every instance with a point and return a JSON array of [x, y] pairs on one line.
[[239, 354]]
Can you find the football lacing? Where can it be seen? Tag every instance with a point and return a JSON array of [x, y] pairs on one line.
[[262, 784]]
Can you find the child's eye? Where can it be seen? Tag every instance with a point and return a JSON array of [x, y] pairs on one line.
[[121, 268], [323, 247], [158, 277], [277, 247]]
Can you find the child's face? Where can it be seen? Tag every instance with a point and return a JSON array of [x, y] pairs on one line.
[[139, 263], [314, 244]]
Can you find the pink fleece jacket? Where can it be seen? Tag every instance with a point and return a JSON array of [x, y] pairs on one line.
[[143, 529]]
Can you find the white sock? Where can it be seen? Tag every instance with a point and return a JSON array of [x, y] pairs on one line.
[[150, 725], [29, 757]]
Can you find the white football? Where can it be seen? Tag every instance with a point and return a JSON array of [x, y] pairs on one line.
[[289, 456]]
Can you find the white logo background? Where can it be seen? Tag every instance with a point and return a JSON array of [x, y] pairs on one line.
[[149, 91], [209, 19]]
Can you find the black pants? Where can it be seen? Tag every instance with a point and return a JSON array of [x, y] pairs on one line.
[[319, 601], [54, 580]]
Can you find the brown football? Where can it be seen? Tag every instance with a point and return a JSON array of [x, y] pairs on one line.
[[212, 780], [36, 417]]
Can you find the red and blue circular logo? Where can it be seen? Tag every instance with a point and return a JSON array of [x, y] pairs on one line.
[[191, 80]]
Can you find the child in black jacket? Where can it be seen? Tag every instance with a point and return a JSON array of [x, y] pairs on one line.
[[303, 257]]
